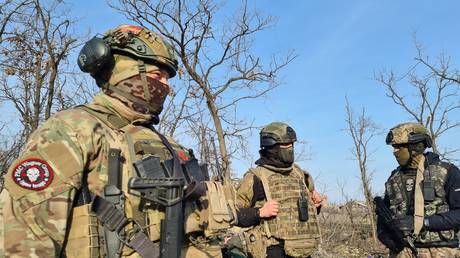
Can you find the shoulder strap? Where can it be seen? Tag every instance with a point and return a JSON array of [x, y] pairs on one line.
[[419, 202], [263, 178], [305, 176]]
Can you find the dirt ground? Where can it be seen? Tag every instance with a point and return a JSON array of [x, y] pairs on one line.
[[346, 232]]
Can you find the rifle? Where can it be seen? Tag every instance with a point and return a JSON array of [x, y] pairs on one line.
[[167, 190], [163, 183], [387, 217]]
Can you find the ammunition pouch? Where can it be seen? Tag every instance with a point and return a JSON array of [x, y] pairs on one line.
[[300, 247], [83, 237], [255, 243], [217, 214]]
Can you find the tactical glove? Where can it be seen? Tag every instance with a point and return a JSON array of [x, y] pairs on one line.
[[388, 240], [405, 224]]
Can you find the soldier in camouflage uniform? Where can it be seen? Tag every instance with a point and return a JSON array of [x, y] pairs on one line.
[[279, 198], [423, 195], [67, 193]]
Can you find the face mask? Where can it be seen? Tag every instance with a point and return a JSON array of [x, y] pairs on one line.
[[402, 155], [158, 92], [286, 155], [279, 157]]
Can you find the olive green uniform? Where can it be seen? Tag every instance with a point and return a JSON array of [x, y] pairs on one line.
[[299, 238]]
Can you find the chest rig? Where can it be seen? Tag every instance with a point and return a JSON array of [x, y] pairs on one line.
[[146, 175], [398, 190], [295, 226]]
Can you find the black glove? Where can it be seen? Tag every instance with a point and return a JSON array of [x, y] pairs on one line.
[[405, 224], [390, 237], [395, 246]]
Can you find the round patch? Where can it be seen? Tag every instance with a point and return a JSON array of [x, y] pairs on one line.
[[33, 174]]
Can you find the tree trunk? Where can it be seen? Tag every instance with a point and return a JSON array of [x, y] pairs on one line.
[[221, 138]]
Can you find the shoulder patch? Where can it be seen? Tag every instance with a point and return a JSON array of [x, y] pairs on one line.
[[33, 174], [182, 156]]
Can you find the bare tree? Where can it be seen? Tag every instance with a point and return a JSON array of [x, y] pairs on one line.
[[434, 94], [10, 145], [8, 10], [217, 58], [36, 43], [362, 130]]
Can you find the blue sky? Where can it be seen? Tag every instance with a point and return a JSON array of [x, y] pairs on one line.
[[340, 45]]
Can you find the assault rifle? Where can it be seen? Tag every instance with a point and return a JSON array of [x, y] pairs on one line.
[[163, 183], [401, 238]]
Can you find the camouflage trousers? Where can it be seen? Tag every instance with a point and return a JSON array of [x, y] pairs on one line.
[[434, 252]]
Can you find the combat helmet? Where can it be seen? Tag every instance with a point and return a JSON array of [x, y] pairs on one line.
[[97, 55], [277, 133], [408, 133]]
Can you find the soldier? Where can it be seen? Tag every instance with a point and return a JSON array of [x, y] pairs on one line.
[[71, 191], [279, 198], [420, 212]]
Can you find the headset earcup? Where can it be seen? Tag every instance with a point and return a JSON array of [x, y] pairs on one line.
[[95, 56], [428, 142]]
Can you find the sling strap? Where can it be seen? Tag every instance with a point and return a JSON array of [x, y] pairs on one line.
[[264, 180], [115, 222], [114, 195], [419, 202]]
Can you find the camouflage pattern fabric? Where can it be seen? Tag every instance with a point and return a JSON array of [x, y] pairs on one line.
[[401, 134], [144, 44], [434, 252], [395, 190], [300, 238], [133, 86], [42, 182], [126, 67]]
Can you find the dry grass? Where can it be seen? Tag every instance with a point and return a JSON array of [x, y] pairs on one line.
[[346, 232]]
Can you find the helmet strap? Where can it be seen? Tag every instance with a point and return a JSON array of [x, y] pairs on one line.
[[142, 73]]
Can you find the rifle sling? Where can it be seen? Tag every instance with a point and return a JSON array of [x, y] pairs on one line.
[[115, 196], [419, 202], [177, 166], [115, 221]]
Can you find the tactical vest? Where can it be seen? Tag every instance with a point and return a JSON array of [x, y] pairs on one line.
[[135, 143], [300, 237], [397, 188]]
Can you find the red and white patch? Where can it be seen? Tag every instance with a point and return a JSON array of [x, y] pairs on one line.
[[182, 156], [33, 174]]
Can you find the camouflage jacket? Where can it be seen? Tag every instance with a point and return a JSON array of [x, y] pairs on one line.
[[442, 213], [42, 182]]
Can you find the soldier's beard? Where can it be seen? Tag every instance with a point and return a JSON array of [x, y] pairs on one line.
[[133, 86]]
